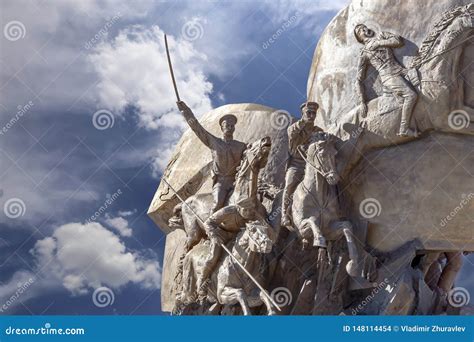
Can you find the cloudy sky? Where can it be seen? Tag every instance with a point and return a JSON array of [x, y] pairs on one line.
[[88, 121]]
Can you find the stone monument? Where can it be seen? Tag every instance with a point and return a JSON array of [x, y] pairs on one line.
[[362, 206]]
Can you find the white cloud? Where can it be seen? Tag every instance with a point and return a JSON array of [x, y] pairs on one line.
[[133, 69], [120, 225], [21, 287], [85, 256]]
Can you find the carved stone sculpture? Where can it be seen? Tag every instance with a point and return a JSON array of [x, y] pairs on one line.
[[299, 135], [378, 52], [362, 206]]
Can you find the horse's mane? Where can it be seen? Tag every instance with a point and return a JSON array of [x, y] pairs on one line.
[[427, 46]]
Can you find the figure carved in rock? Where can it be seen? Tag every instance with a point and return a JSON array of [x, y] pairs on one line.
[[299, 135], [435, 71], [224, 224], [226, 153], [222, 227], [377, 51], [229, 284], [253, 160], [320, 219], [233, 285]]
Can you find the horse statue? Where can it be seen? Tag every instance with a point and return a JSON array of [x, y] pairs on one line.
[[191, 214], [316, 208], [230, 285], [255, 157]]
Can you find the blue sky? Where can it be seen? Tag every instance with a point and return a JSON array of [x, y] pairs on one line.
[[63, 61]]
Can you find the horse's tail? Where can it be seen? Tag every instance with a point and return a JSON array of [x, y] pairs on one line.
[[427, 46]]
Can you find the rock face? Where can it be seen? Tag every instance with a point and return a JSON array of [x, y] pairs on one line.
[[421, 190], [419, 172]]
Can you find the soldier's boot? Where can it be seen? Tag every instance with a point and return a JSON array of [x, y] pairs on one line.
[[405, 131], [286, 219]]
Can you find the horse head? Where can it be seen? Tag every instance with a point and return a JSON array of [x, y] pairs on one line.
[[254, 159], [321, 156], [257, 152]]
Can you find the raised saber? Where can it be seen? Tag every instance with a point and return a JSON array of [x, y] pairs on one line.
[[226, 249], [171, 69]]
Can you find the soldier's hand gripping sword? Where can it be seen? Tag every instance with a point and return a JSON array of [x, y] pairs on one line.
[[265, 293]]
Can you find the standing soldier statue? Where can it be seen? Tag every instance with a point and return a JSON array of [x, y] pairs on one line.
[[299, 135], [226, 153], [378, 52]]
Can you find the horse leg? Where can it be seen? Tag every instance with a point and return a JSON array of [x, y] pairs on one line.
[[453, 265], [352, 266], [230, 296], [210, 264], [359, 265], [318, 238], [427, 260], [267, 303], [242, 299], [193, 236]]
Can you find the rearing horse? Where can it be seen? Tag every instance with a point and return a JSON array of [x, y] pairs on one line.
[[316, 208]]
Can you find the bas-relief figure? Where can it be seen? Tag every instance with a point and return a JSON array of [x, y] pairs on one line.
[[377, 51], [241, 234]]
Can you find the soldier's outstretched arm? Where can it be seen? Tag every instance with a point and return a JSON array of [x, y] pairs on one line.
[[203, 135], [390, 40]]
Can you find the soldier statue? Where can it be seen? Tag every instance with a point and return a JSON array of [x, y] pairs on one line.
[[222, 227], [226, 153], [377, 51], [299, 135]]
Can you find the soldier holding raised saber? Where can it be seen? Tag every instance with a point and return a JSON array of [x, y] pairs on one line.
[[226, 155], [226, 152]]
